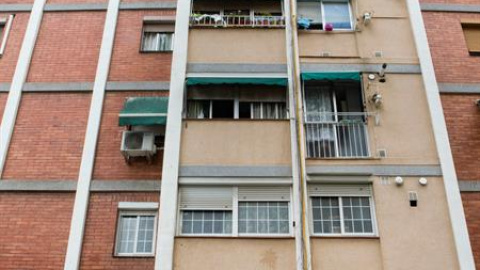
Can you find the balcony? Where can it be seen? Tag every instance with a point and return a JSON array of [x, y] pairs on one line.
[[337, 135], [215, 20]]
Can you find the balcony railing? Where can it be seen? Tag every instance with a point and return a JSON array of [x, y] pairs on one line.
[[206, 20], [337, 135]]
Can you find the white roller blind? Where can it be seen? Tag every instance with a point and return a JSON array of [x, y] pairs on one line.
[[201, 198], [264, 193], [340, 190]]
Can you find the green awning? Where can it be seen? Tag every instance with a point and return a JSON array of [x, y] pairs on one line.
[[308, 76], [217, 80], [144, 111]]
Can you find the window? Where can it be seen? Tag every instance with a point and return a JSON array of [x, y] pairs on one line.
[[263, 218], [335, 119], [157, 42], [157, 37], [206, 222], [135, 236], [342, 210], [226, 109], [5, 26], [471, 32], [319, 14], [211, 211], [263, 110]]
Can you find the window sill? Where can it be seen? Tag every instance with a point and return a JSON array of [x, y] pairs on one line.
[[317, 31], [237, 237], [232, 119], [343, 158], [130, 256], [346, 237], [154, 52]]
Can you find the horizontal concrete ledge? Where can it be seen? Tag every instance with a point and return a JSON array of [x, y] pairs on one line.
[[236, 68], [235, 181], [144, 86], [378, 170], [450, 7], [125, 185], [89, 6], [38, 185], [71, 185], [88, 86], [15, 7], [332, 67], [469, 186], [235, 171], [459, 88]]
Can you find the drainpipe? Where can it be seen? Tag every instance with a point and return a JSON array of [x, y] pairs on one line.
[[454, 200], [302, 239]]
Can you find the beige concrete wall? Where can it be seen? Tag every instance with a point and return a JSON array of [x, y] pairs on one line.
[[392, 37], [234, 254], [261, 46], [388, 32], [404, 128], [235, 142], [346, 254], [414, 238]]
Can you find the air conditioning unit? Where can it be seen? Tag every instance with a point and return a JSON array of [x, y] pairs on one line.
[[138, 144]]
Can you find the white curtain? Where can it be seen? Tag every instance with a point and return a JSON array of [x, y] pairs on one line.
[[153, 41], [198, 109]]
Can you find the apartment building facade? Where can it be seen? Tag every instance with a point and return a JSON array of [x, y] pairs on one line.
[[453, 34], [223, 135]]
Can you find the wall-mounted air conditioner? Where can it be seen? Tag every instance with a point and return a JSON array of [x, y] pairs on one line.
[[138, 144]]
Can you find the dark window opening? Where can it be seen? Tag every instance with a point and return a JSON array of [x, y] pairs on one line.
[[222, 108]]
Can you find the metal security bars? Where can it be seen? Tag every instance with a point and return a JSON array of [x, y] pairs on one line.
[[337, 135], [216, 20]]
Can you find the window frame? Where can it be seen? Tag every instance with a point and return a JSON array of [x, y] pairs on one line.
[[235, 219], [6, 24], [142, 42], [350, 13], [340, 197], [465, 25], [118, 234]]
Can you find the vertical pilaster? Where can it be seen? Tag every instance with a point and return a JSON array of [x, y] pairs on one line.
[[454, 200], [19, 78], [77, 227], [171, 160]]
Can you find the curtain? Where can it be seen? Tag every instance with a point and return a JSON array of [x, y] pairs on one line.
[[153, 41], [198, 109], [319, 104], [337, 14]]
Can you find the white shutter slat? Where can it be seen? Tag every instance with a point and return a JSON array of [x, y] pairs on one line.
[[206, 198], [264, 193], [340, 190]]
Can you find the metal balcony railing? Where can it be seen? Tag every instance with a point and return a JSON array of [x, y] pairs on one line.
[[206, 20], [337, 135]]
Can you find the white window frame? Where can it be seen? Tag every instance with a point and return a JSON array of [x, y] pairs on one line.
[[132, 209], [374, 232], [7, 25], [234, 210], [352, 21]]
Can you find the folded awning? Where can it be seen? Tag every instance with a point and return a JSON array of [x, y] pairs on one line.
[[308, 76], [217, 80], [144, 111]]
